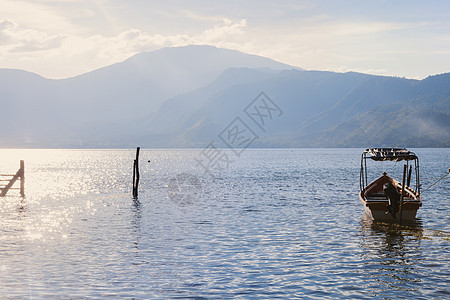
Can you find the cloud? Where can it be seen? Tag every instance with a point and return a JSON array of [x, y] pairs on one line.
[[224, 31], [5, 27], [344, 69], [132, 41], [366, 28], [31, 49], [40, 17], [13, 38], [64, 38], [200, 18], [318, 42]]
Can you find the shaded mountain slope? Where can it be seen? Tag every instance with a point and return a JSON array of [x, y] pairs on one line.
[[184, 97], [322, 109]]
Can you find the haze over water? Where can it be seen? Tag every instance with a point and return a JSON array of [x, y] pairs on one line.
[[280, 223]]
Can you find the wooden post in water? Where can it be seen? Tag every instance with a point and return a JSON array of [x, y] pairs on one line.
[[405, 168], [22, 178], [136, 174]]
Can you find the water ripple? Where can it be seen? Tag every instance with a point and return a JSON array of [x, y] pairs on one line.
[[291, 228]]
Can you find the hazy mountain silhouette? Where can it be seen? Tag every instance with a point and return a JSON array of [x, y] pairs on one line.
[[70, 111], [321, 109], [186, 96]]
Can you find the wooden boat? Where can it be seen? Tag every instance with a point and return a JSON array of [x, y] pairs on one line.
[[386, 198]]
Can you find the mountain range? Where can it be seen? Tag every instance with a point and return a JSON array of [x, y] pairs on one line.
[[187, 96]]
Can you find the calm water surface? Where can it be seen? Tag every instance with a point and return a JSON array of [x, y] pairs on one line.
[[276, 223]]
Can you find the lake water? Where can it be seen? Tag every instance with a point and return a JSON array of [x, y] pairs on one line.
[[275, 223]]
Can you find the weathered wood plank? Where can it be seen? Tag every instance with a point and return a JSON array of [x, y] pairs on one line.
[[20, 174]]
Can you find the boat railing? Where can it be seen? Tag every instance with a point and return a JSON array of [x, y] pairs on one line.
[[363, 178], [409, 191]]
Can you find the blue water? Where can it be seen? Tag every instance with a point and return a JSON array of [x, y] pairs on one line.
[[275, 223]]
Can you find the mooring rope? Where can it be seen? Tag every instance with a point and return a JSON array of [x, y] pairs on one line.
[[437, 180]]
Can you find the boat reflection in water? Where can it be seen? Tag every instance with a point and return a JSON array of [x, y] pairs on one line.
[[391, 257]]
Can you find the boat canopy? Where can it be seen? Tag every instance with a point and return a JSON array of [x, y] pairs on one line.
[[391, 154]]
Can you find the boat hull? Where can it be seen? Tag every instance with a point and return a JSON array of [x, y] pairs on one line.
[[382, 213], [376, 204]]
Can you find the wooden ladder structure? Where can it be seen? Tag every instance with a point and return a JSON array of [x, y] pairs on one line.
[[7, 183]]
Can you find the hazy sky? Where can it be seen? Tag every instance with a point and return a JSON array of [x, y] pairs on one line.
[[59, 39]]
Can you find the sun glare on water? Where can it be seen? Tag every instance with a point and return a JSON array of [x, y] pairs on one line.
[[59, 186]]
